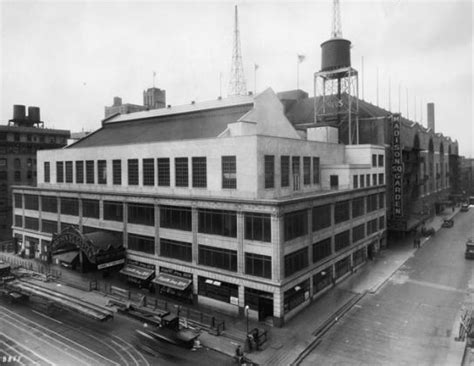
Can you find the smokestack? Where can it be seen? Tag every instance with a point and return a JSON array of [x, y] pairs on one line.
[[431, 116]]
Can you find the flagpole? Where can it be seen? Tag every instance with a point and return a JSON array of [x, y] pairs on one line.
[[255, 68], [297, 73], [362, 77]]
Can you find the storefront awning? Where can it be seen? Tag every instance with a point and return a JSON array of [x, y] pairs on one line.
[[67, 257], [137, 272], [178, 283]]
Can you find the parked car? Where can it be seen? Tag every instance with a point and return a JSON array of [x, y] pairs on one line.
[[448, 223], [465, 207], [469, 253], [427, 231]]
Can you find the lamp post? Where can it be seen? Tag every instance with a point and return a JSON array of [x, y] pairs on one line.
[[247, 315]]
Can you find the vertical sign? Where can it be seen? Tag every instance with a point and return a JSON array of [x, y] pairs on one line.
[[397, 168]]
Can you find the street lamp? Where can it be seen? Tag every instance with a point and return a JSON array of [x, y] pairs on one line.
[[247, 315]]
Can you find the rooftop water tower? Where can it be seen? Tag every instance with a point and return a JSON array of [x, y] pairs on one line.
[[336, 101]]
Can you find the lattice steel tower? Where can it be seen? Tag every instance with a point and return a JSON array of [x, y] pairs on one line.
[[237, 84]]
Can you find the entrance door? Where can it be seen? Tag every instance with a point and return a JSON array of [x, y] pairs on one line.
[[265, 308]]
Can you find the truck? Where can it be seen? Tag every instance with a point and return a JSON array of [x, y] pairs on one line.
[[469, 253]]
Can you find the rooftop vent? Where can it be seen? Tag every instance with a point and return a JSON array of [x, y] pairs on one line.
[[169, 106]]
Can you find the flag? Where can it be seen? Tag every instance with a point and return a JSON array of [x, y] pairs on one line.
[[301, 58], [256, 67]]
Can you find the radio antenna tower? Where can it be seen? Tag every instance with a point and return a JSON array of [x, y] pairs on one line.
[[336, 20], [237, 84]]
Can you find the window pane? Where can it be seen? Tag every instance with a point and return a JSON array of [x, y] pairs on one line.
[[199, 172], [229, 172], [285, 171], [163, 172], [181, 172], [269, 171], [148, 172], [132, 172]]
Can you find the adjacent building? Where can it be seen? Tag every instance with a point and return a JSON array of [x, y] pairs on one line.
[[224, 203], [153, 98], [20, 139]]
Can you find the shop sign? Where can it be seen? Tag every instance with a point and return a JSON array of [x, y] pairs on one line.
[[174, 272], [111, 264], [234, 300], [397, 168]]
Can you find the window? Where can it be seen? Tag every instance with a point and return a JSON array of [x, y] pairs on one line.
[[321, 250], [49, 204], [3, 175], [362, 181], [141, 243], [181, 172], [90, 208], [257, 227], [306, 170], [163, 165], [269, 171], [358, 207], [176, 249], [217, 222], [374, 179], [18, 221], [295, 296], [359, 256], [382, 200], [18, 198], [334, 181], [315, 170], [69, 172], [32, 223], [367, 180], [322, 280], [371, 203], [59, 172], [229, 172], [296, 261], [358, 233], [16, 137], [141, 214], [321, 217], [374, 160], [46, 172], [79, 171], [252, 297], [381, 222], [17, 176], [3, 136], [69, 206], [49, 226], [258, 265], [89, 171], [31, 202], [117, 172], [178, 218], [295, 170], [29, 174], [381, 177], [199, 172], [341, 212], [342, 240], [218, 257], [132, 172], [372, 226], [295, 224], [285, 171], [102, 171], [381, 160], [355, 181], [113, 211], [17, 163], [3, 163], [217, 290], [148, 172], [342, 267]]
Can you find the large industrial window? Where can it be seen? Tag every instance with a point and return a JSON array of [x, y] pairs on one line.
[[49, 226], [217, 290], [358, 207], [374, 160], [269, 162], [295, 296], [322, 280], [358, 233], [362, 181], [257, 227], [18, 221], [68, 171], [49, 204], [285, 171], [355, 181], [132, 172], [381, 180], [334, 181], [295, 170], [113, 211], [79, 171], [59, 172], [176, 249], [342, 267], [258, 265], [316, 170], [217, 222], [321, 217], [46, 172], [382, 200], [163, 165], [342, 240], [306, 170], [381, 222], [178, 218], [229, 172], [102, 171], [372, 226], [341, 212], [295, 224], [32, 223], [296, 261], [371, 202], [117, 172], [31, 202], [359, 256], [69, 206], [90, 208], [90, 171], [374, 179], [181, 172], [321, 250], [18, 199], [218, 257], [141, 214], [141, 243], [148, 172], [199, 172], [381, 160]]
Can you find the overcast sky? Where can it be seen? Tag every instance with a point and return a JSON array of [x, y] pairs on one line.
[[71, 58]]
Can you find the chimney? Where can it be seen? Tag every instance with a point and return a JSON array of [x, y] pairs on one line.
[[431, 116], [117, 101]]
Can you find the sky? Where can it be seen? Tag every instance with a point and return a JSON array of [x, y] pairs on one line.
[[71, 58]]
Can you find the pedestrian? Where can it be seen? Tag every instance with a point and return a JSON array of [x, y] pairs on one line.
[[239, 354]]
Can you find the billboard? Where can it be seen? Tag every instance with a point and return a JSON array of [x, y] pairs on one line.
[[397, 169]]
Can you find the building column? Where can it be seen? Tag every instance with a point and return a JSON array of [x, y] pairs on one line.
[[58, 209], [278, 311], [125, 220], [194, 228], [157, 230], [277, 247], [81, 212], [240, 243]]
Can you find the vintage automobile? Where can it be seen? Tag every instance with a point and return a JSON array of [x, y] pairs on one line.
[[469, 253], [448, 223], [465, 207]]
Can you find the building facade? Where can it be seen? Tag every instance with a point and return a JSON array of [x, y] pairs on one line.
[[153, 98], [20, 139], [223, 203]]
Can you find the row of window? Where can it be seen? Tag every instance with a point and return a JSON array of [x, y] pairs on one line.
[[377, 159], [17, 175], [17, 163], [311, 171], [32, 138], [364, 180]]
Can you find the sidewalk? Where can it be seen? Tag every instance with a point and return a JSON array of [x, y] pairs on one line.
[[286, 344]]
